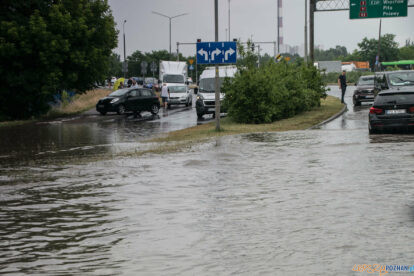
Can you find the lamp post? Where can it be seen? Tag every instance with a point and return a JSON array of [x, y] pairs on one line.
[[170, 18], [124, 66], [229, 20]]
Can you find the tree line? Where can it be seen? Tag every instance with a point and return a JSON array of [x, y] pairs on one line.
[[368, 50]]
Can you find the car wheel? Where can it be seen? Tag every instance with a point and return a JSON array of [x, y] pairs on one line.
[[121, 109], [154, 109], [372, 131], [103, 113]]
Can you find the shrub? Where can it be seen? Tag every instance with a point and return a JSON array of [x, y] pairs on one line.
[[272, 92]]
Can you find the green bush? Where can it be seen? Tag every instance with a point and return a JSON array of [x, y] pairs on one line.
[[272, 92]]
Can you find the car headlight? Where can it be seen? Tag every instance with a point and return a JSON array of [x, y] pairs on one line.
[[200, 97], [114, 100]]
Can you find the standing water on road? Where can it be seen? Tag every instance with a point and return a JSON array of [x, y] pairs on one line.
[[312, 202]]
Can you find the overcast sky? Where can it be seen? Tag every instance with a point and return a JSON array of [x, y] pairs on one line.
[[146, 31]]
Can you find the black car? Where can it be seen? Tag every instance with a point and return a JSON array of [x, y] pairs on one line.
[[393, 109], [129, 99], [364, 91], [393, 79]]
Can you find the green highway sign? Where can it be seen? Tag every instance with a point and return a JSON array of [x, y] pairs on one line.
[[360, 9]]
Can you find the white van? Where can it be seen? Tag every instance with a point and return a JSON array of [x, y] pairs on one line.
[[205, 103]]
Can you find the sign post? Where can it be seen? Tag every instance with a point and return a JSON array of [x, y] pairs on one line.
[[360, 9]]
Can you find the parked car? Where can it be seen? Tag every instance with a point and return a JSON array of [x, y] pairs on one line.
[[393, 79], [393, 109], [364, 91], [180, 94], [129, 99]]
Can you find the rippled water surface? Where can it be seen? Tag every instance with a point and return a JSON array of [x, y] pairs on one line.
[[310, 202]]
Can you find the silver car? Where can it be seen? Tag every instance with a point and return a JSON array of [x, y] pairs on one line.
[[180, 94]]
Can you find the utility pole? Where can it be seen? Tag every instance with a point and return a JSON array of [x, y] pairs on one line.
[[178, 51], [217, 87], [312, 30], [124, 65], [377, 60], [306, 32], [229, 20], [278, 27]]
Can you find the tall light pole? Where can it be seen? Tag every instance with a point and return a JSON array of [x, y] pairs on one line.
[[306, 32], [124, 65], [170, 18], [229, 20], [217, 86]]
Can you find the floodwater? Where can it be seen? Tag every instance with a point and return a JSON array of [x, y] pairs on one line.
[[312, 202]]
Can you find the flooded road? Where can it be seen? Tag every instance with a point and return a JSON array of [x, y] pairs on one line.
[[312, 202], [87, 135]]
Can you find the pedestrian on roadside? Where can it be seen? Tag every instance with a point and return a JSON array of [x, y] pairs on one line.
[[342, 84], [121, 85], [165, 94], [134, 84], [129, 82]]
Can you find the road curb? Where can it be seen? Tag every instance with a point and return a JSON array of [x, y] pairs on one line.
[[344, 109]]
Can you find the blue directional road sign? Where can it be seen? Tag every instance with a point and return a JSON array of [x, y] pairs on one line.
[[216, 52]]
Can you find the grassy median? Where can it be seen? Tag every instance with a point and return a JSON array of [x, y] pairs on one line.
[[80, 103], [329, 107]]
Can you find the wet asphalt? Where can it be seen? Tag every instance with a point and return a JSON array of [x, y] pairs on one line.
[[312, 202]]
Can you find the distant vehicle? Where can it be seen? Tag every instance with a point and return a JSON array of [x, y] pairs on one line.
[[173, 73], [329, 66], [205, 103], [151, 83], [180, 95], [129, 99], [364, 91], [393, 79], [393, 109]]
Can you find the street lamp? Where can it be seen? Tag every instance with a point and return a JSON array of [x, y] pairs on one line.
[[123, 30], [229, 20], [170, 18]]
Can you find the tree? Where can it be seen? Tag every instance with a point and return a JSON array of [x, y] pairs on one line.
[[115, 65], [406, 53], [48, 46], [337, 53], [369, 49]]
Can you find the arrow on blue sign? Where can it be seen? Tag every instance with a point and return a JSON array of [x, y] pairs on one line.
[[216, 52]]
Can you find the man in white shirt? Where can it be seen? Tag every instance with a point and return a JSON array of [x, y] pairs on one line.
[[134, 84], [165, 94]]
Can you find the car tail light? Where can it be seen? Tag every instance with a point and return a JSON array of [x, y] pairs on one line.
[[374, 110], [411, 109]]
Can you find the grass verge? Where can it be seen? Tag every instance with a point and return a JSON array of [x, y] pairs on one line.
[[329, 107], [80, 103]]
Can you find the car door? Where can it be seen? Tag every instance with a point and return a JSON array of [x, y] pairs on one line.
[[132, 102], [146, 99]]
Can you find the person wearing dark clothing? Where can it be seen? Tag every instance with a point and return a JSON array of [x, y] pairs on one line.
[[342, 84]]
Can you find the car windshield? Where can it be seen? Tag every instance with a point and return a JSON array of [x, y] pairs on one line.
[[395, 98], [366, 81], [173, 78], [119, 93], [177, 89], [208, 85], [402, 78]]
